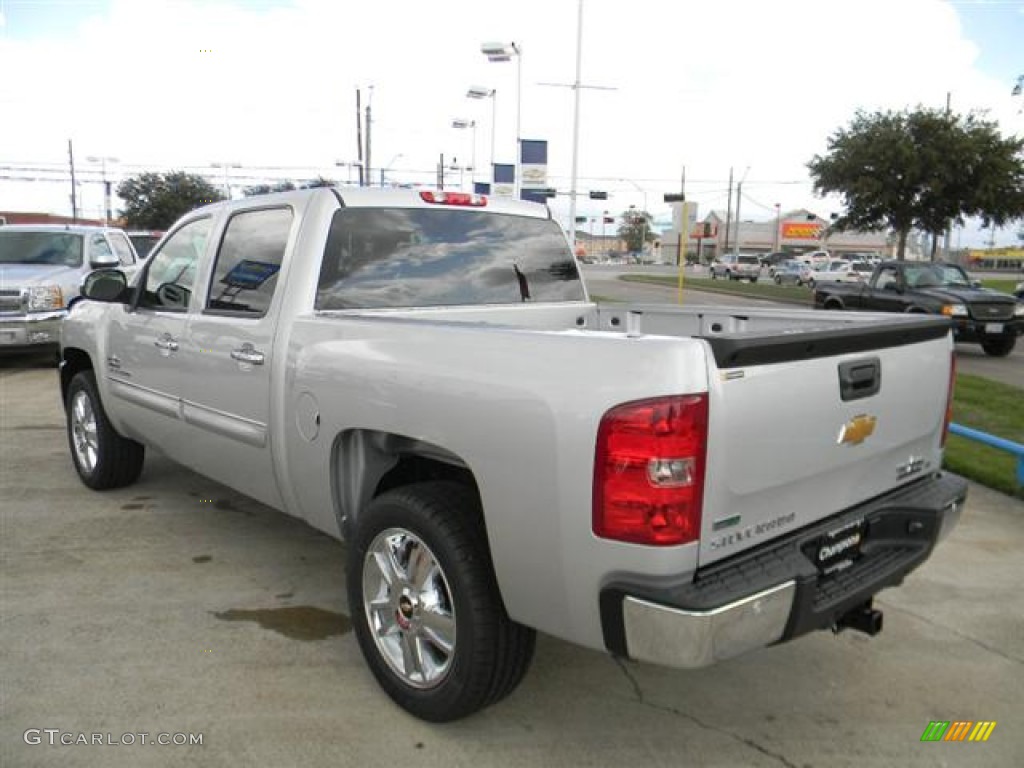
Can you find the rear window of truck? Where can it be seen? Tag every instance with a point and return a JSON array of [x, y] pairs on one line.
[[392, 257]]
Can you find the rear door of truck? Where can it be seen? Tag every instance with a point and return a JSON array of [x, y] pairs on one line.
[[806, 425]]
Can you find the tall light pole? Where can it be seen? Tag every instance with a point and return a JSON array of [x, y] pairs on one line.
[[227, 181], [479, 92], [462, 125], [576, 85], [739, 194], [106, 184], [499, 52], [776, 241]]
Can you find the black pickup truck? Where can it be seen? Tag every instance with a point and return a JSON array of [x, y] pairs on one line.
[[978, 315]]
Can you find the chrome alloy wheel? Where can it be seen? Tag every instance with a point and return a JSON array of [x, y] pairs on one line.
[[409, 608], [83, 431]]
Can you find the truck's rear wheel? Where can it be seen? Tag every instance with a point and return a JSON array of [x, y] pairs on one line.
[[426, 607], [999, 347], [103, 458]]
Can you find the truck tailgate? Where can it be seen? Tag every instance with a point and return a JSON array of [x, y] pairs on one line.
[[793, 441]]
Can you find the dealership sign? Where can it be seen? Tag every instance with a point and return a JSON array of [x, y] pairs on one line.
[[801, 230]]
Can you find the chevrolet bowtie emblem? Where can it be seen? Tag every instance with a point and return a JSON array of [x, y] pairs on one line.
[[856, 430]]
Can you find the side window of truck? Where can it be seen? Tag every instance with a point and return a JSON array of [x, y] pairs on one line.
[[98, 246], [886, 280], [172, 270], [248, 262], [123, 248]]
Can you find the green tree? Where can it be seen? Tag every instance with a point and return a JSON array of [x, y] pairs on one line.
[[157, 200], [635, 229], [266, 189], [923, 168]]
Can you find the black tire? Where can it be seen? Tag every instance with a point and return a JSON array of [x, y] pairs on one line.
[[833, 304], [778, 280], [999, 347], [437, 523], [103, 458]]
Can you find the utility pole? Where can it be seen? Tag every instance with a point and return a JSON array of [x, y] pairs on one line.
[[369, 122], [728, 215], [74, 199], [359, 135], [739, 194]]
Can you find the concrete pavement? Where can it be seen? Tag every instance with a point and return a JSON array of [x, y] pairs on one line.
[[177, 606]]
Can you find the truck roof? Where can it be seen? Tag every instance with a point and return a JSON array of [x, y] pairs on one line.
[[78, 229], [375, 197]]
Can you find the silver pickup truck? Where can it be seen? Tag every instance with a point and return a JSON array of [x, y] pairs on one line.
[[422, 374], [41, 269]]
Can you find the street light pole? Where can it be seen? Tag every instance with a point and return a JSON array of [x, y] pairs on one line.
[[106, 184], [461, 125], [778, 223], [478, 92], [499, 52]]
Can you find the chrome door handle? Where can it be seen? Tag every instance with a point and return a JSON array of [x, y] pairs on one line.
[[167, 343], [247, 354]]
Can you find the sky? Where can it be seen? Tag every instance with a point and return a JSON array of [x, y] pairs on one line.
[[269, 88]]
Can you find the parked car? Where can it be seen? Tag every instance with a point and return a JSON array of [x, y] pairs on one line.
[[1019, 291], [860, 271], [836, 271], [789, 273], [772, 260], [42, 267], [743, 266], [144, 240]]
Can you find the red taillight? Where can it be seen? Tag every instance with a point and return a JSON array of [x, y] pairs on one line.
[[949, 400], [453, 198], [649, 471]]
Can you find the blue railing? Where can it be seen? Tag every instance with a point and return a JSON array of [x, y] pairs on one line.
[[995, 442]]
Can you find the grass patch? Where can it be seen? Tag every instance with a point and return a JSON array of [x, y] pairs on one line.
[[763, 289], [992, 407], [1005, 286]]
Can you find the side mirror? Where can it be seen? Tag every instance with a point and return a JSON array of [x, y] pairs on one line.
[[104, 261], [975, 283], [107, 285]]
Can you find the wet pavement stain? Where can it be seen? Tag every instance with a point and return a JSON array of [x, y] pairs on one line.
[[201, 559], [226, 505], [142, 498], [133, 506], [285, 595], [299, 622], [36, 428]]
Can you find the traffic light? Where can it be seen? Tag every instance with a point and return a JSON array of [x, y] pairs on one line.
[[609, 219], [598, 195], [581, 219], [675, 198], [549, 192]]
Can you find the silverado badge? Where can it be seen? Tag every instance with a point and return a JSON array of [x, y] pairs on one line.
[[856, 430]]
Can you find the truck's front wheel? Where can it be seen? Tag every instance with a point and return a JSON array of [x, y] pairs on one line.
[[999, 347], [104, 459], [426, 607]]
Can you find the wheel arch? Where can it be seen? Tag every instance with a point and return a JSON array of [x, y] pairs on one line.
[[72, 362], [366, 463]]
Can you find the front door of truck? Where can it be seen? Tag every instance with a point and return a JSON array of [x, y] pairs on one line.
[[145, 345], [227, 392]]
